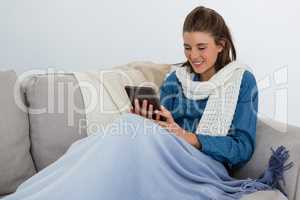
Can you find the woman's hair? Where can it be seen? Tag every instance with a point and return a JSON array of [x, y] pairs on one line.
[[203, 19]]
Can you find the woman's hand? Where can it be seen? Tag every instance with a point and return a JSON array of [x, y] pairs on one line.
[[142, 110], [173, 127], [169, 123]]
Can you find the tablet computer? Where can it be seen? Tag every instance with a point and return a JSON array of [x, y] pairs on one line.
[[144, 93]]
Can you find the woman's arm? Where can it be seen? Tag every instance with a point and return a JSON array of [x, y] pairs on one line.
[[192, 139], [237, 147]]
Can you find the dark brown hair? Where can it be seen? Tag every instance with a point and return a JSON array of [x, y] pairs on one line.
[[204, 19]]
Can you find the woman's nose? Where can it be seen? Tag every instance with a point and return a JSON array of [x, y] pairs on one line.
[[194, 55]]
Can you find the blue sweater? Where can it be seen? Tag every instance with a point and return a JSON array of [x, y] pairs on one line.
[[233, 150]]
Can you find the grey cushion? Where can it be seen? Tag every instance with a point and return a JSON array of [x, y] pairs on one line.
[[16, 164], [265, 195], [267, 137], [54, 122]]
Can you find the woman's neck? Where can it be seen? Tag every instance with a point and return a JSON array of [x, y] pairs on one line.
[[207, 74]]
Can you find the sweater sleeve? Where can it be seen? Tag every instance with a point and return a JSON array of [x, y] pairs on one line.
[[235, 149]]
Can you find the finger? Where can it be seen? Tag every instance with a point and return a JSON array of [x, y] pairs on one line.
[[166, 114], [157, 116], [137, 109], [131, 110], [162, 113], [163, 109], [144, 108], [150, 111], [163, 124]]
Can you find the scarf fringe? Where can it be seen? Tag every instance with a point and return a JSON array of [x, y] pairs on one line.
[[274, 174]]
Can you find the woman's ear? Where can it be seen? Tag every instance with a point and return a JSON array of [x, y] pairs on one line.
[[221, 45]]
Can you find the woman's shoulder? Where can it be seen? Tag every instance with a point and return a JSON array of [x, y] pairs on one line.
[[171, 82], [171, 76], [248, 88], [248, 79]]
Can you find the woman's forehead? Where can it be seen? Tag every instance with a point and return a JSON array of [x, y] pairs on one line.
[[197, 38]]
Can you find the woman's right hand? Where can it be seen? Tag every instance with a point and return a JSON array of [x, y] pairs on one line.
[[142, 110]]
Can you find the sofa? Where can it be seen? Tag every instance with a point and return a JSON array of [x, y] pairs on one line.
[[38, 123]]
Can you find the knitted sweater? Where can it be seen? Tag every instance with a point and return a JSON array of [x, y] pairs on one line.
[[233, 150]]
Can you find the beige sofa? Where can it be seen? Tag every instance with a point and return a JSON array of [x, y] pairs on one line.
[[30, 141]]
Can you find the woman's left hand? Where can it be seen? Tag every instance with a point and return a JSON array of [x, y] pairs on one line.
[[173, 127], [169, 123]]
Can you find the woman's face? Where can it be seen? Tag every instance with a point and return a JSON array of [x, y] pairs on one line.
[[201, 51]]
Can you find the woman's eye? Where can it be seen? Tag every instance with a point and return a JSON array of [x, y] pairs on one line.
[[201, 49]]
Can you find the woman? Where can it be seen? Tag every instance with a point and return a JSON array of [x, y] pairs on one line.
[[209, 48], [210, 105]]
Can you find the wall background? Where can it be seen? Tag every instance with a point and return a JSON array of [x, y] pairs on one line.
[[78, 35]]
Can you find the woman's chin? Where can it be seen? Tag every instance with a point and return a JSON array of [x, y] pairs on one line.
[[199, 70]]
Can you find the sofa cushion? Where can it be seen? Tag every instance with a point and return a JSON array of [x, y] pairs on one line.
[[152, 72], [265, 195], [16, 163], [56, 115]]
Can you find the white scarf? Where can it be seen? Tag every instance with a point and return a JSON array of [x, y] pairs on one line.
[[222, 91]]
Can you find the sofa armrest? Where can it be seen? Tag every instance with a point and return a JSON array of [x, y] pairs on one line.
[[271, 134]]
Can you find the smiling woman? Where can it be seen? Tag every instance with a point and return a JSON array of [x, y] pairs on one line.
[[218, 96]]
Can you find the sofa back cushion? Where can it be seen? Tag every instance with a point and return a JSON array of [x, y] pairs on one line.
[[54, 102], [16, 163]]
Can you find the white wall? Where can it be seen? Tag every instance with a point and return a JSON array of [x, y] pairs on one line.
[[78, 35]]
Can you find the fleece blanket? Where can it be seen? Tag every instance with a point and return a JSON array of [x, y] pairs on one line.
[[134, 159]]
